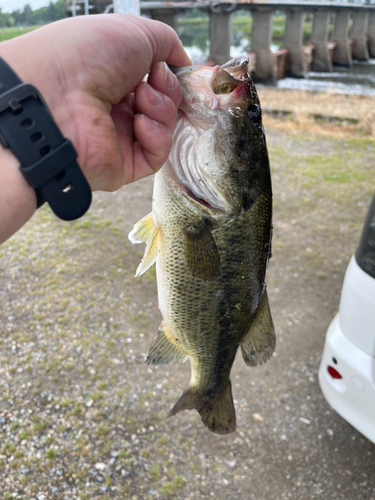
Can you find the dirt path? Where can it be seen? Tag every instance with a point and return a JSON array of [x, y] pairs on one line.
[[81, 416]]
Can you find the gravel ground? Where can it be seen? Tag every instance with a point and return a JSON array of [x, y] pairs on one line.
[[82, 417]]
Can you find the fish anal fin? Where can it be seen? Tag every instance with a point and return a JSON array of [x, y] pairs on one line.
[[164, 348], [215, 408], [259, 342], [142, 230], [202, 254]]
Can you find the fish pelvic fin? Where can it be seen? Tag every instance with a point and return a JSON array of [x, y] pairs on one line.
[[202, 254], [259, 342], [146, 231], [165, 348], [215, 408]]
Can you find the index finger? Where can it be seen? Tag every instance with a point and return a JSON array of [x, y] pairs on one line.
[[129, 47], [163, 45]]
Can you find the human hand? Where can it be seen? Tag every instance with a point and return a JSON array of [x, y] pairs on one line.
[[89, 70]]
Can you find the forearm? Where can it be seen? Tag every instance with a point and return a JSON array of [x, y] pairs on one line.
[[17, 198], [96, 101]]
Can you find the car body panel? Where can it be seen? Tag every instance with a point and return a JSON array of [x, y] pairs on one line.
[[353, 396], [357, 307]]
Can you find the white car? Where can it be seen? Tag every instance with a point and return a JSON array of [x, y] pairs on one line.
[[347, 369]]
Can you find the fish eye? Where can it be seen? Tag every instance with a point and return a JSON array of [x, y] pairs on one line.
[[254, 114]]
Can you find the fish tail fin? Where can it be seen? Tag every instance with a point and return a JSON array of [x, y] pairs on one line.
[[215, 408]]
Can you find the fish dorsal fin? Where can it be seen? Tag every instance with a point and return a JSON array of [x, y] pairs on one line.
[[146, 231], [259, 342], [164, 348], [202, 254]]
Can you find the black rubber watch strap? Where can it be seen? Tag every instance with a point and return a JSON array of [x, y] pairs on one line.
[[48, 160]]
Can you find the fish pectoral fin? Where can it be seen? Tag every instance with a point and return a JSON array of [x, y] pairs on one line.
[[164, 348], [151, 252], [215, 408], [142, 230], [202, 254], [259, 342], [146, 231]]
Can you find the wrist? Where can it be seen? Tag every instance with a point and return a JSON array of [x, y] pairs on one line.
[[48, 159], [23, 55], [17, 198]]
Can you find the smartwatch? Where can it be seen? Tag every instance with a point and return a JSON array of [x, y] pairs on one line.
[[48, 160]]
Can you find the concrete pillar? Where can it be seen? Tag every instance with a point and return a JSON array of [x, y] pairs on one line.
[[261, 44], [220, 37], [165, 16], [371, 33], [319, 38], [293, 41], [343, 54], [359, 33]]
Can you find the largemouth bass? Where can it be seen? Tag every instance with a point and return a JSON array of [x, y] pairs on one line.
[[209, 233]]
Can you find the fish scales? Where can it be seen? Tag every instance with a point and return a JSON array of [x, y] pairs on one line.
[[211, 260]]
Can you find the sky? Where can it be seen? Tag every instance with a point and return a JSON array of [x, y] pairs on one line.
[[11, 5]]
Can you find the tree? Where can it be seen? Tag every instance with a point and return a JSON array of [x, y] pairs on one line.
[[18, 16], [28, 14], [2, 18], [51, 12], [60, 9]]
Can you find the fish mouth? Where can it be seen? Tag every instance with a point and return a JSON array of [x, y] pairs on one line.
[[210, 88], [207, 92], [235, 68], [230, 76], [216, 82]]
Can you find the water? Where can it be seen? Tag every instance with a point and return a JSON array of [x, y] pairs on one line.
[[359, 79], [195, 39]]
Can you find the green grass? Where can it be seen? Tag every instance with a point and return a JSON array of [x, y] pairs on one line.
[[170, 487], [51, 453], [8, 33], [155, 472], [325, 169], [341, 172], [329, 184]]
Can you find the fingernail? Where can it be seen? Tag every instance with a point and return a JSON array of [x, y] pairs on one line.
[[151, 125], [170, 79], [154, 97]]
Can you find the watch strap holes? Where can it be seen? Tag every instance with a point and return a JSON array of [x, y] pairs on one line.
[[60, 176], [67, 188], [45, 150], [36, 137], [28, 123], [16, 107]]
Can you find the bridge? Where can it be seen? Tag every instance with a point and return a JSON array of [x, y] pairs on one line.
[[353, 35]]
